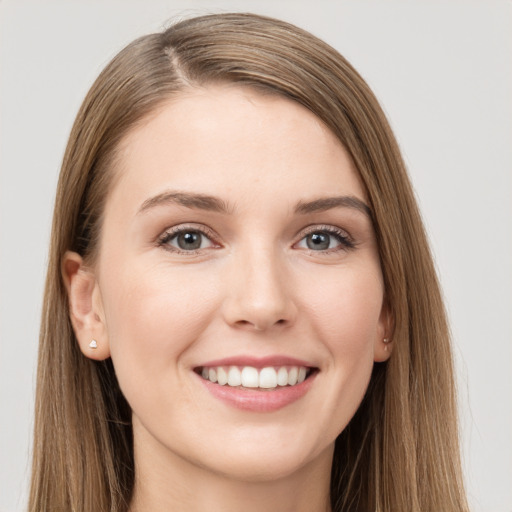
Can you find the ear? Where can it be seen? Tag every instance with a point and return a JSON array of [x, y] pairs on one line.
[[85, 307], [384, 335]]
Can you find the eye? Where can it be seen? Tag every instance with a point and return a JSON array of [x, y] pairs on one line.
[[326, 240], [185, 240]]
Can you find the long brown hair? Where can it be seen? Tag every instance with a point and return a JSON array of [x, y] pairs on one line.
[[400, 451]]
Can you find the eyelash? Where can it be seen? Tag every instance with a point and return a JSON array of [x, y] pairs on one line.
[[344, 239], [170, 234]]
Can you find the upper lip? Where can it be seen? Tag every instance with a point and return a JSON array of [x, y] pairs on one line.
[[258, 362]]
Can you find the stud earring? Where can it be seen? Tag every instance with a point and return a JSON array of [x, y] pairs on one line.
[[93, 344], [386, 342]]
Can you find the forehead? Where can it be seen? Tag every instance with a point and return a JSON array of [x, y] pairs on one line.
[[226, 139]]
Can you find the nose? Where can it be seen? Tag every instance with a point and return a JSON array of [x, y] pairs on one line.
[[259, 292]]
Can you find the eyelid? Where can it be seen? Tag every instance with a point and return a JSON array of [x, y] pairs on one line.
[[344, 237], [173, 231], [313, 228]]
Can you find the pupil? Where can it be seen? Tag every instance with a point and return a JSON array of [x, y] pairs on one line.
[[318, 241], [189, 240]]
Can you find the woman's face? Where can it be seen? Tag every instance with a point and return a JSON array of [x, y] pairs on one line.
[[236, 245]]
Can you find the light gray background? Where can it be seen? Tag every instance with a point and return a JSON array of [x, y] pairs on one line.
[[442, 72]]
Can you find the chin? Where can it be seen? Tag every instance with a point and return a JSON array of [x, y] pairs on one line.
[[260, 469], [260, 462]]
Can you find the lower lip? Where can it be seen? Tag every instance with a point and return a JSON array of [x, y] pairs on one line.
[[259, 401]]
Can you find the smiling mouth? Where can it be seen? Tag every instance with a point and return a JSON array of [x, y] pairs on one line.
[[268, 378]]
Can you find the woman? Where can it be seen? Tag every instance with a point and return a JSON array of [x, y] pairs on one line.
[[241, 308]]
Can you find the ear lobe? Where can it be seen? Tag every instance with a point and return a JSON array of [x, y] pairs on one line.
[[85, 307], [384, 335]]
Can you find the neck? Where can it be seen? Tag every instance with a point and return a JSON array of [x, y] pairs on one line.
[[166, 481]]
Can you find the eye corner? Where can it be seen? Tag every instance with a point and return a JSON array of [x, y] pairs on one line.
[[188, 239], [324, 235]]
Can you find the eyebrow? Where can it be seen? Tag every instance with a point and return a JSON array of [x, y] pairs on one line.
[[327, 203], [198, 201], [215, 204]]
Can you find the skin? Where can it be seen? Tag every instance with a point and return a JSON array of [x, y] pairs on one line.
[[252, 288]]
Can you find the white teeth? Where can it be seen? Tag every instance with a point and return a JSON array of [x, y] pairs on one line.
[[268, 378], [292, 376], [282, 376], [234, 377], [250, 377], [222, 376]]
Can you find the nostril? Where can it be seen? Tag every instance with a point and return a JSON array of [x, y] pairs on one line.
[[263, 326]]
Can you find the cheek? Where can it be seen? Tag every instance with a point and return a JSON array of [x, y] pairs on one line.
[[153, 315], [347, 310], [346, 316]]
